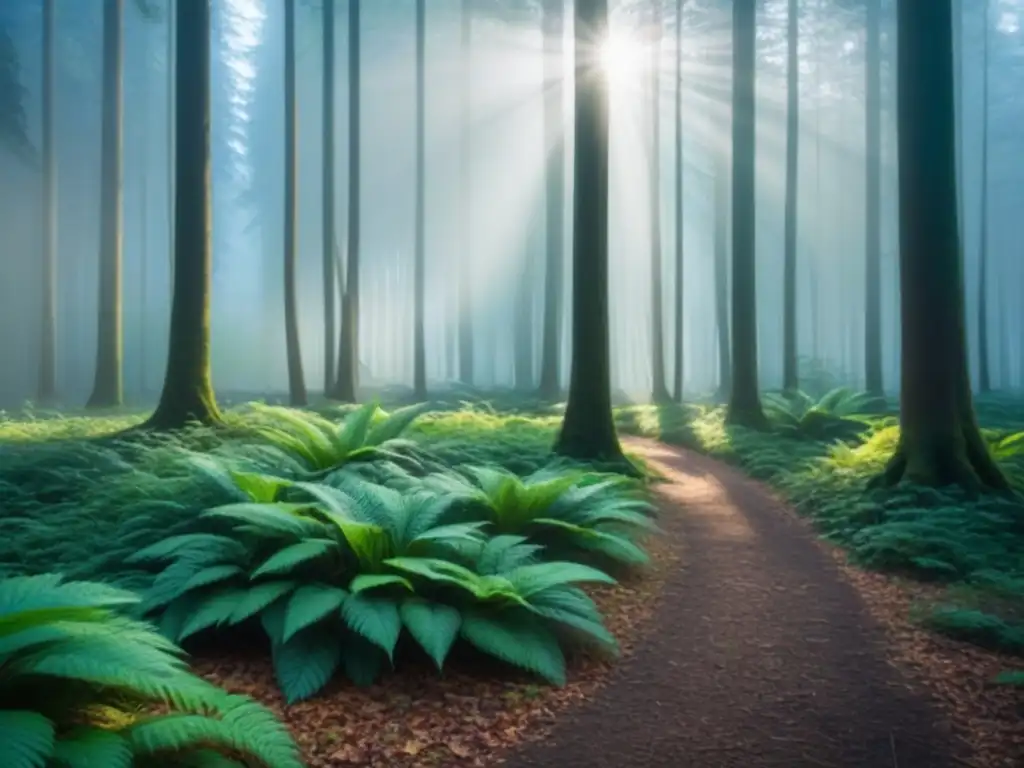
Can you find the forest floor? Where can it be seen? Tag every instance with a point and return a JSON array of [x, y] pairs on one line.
[[747, 635]]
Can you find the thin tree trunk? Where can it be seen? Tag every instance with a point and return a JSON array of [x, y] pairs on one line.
[[554, 141], [744, 401], [659, 391], [464, 273], [790, 374], [47, 389], [940, 442], [722, 273], [327, 215], [873, 230], [984, 371], [419, 277], [347, 385], [296, 380], [187, 394], [677, 384], [108, 385], [170, 138], [588, 429]]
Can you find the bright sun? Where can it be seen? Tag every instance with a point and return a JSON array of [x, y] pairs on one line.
[[621, 56]]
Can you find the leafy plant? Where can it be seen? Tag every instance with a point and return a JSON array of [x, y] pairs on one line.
[[82, 686], [832, 417], [366, 433], [570, 511], [335, 581]]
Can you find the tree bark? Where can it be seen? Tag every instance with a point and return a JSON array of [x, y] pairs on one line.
[[108, 385], [419, 276], [873, 230], [984, 370], [328, 202], [677, 379], [588, 429], [296, 379], [346, 386], [744, 401], [790, 374], [187, 395], [47, 388], [464, 273], [722, 273], [940, 442], [659, 391], [554, 141]]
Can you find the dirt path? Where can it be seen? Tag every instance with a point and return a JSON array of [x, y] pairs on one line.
[[760, 654]]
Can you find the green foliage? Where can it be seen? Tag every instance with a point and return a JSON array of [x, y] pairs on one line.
[[571, 512], [834, 416], [84, 686], [366, 433], [334, 573]]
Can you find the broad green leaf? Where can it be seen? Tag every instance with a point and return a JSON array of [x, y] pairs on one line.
[[516, 640], [309, 604], [26, 739], [306, 662], [433, 625], [374, 618], [300, 553], [365, 581]]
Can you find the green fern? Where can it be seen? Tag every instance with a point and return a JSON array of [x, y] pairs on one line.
[[81, 684], [335, 573], [366, 433]]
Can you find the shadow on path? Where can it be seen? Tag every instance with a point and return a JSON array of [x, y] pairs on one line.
[[760, 653]]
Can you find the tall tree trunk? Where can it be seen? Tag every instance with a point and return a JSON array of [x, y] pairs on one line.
[[47, 389], [296, 379], [170, 137], [722, 273], [677, 382], [790, 374], [588, 429], [419, 278], [327, 211], [940, 443], [554, 142], [187, 394], [873, 229], [464, 273], [984, 374], [346, 387], [143, 260], [745, 400], [659, 392], [522, 368], [108, 386]]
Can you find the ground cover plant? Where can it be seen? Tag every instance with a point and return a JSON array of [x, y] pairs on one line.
[[334, 537], [82, 685]]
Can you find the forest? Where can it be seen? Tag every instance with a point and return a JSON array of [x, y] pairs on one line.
[[440, 383]]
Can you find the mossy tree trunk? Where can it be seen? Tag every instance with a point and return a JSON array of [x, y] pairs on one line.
[[744, 400], [554, 142], [296, 379], [873, 201], [659, 391], [940, 442], [187, 394], [464, 273], [47, 387], [984, 371], [419, 271], [677, 377], [328, 229], [588, 428], [790, 375], [108, 385], [346, 387]]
